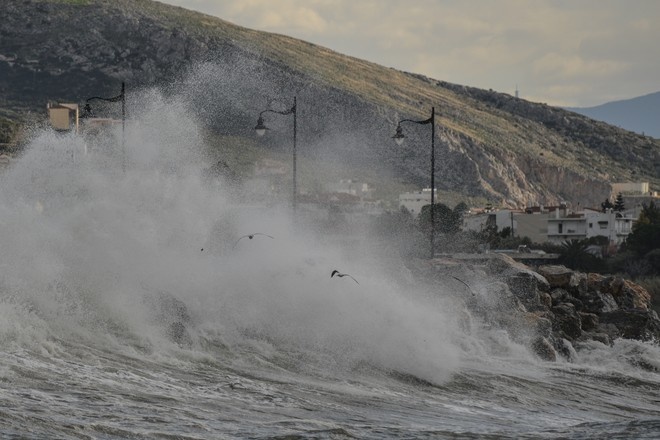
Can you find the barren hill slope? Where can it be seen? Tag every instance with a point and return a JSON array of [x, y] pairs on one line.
[[489, 145]]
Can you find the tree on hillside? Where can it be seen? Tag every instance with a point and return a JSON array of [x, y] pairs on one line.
[[645, 236], [461, 208], [395, 223], [606, 205], [650, 214], [400, 229], [446, 220], [619, 206]]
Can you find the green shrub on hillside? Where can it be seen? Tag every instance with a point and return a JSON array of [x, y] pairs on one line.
[[643, 244]]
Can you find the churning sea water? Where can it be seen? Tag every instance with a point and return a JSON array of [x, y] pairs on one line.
[[129, 309]]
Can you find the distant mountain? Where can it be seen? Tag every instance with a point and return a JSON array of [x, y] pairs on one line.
[[641, 114], [489, 146]]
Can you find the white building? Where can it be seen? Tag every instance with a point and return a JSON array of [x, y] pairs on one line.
[[414, 201], [532, 225], [63, 117], [577, 226], [349, 186], [557, 226], [631, 188], [502, 219]]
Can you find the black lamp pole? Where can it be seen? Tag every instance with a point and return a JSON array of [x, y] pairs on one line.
[[121, 97], [261, 130], [398, 137]]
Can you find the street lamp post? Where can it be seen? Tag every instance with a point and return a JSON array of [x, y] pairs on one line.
[[121, 97], [261, 130], [399, 137]]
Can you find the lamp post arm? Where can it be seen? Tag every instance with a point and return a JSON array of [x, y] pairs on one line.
[[425, 121], [286, 112], [113, 99], [117, 98]]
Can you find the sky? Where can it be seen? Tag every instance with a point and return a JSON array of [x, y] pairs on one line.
[[571, 53]]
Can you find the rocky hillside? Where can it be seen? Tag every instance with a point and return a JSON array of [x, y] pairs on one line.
[[489, 145]]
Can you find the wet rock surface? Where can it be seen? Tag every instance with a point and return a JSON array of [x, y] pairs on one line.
[[559, 307]]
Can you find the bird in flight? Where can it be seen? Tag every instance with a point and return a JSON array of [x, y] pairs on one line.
[[336, 272], [251, 236]]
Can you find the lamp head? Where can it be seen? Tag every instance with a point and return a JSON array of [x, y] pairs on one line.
[[398, 137], [260, 128]]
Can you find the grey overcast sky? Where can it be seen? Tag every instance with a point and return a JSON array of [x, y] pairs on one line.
[[562, 52]]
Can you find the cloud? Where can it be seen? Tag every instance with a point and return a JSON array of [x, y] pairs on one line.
[[555, 65], [292, 19], [560, 50]]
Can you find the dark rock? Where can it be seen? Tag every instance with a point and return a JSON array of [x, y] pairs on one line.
[[171, 313], [603, 338], [540, 323], [624, 293], [589, 321], [524, 287], [503, 265], [544, 349], [565, 349], [577, 283], [168, 307], [558, 295], [629, 295], [504, 301], [559, 276], [567, 320], [583, 310], [178, 333], [545, 299], [637, 324], [609, 329], [594, 282], [597, 302], [579, 306]]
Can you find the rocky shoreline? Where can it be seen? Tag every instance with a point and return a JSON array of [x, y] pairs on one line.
[[560, 308]]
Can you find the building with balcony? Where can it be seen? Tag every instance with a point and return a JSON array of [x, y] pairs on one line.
[[578, 226], [557, 224]]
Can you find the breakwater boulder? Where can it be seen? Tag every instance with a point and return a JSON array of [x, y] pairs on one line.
[[559, 307], [588, 307]]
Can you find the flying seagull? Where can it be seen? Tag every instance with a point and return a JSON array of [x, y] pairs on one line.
[[336, 272], [251, 236]]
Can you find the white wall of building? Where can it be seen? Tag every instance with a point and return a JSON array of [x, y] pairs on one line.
[[558, 226], [534, 226], [630, 188], [414, 201], [503, 219], [613, 225]]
